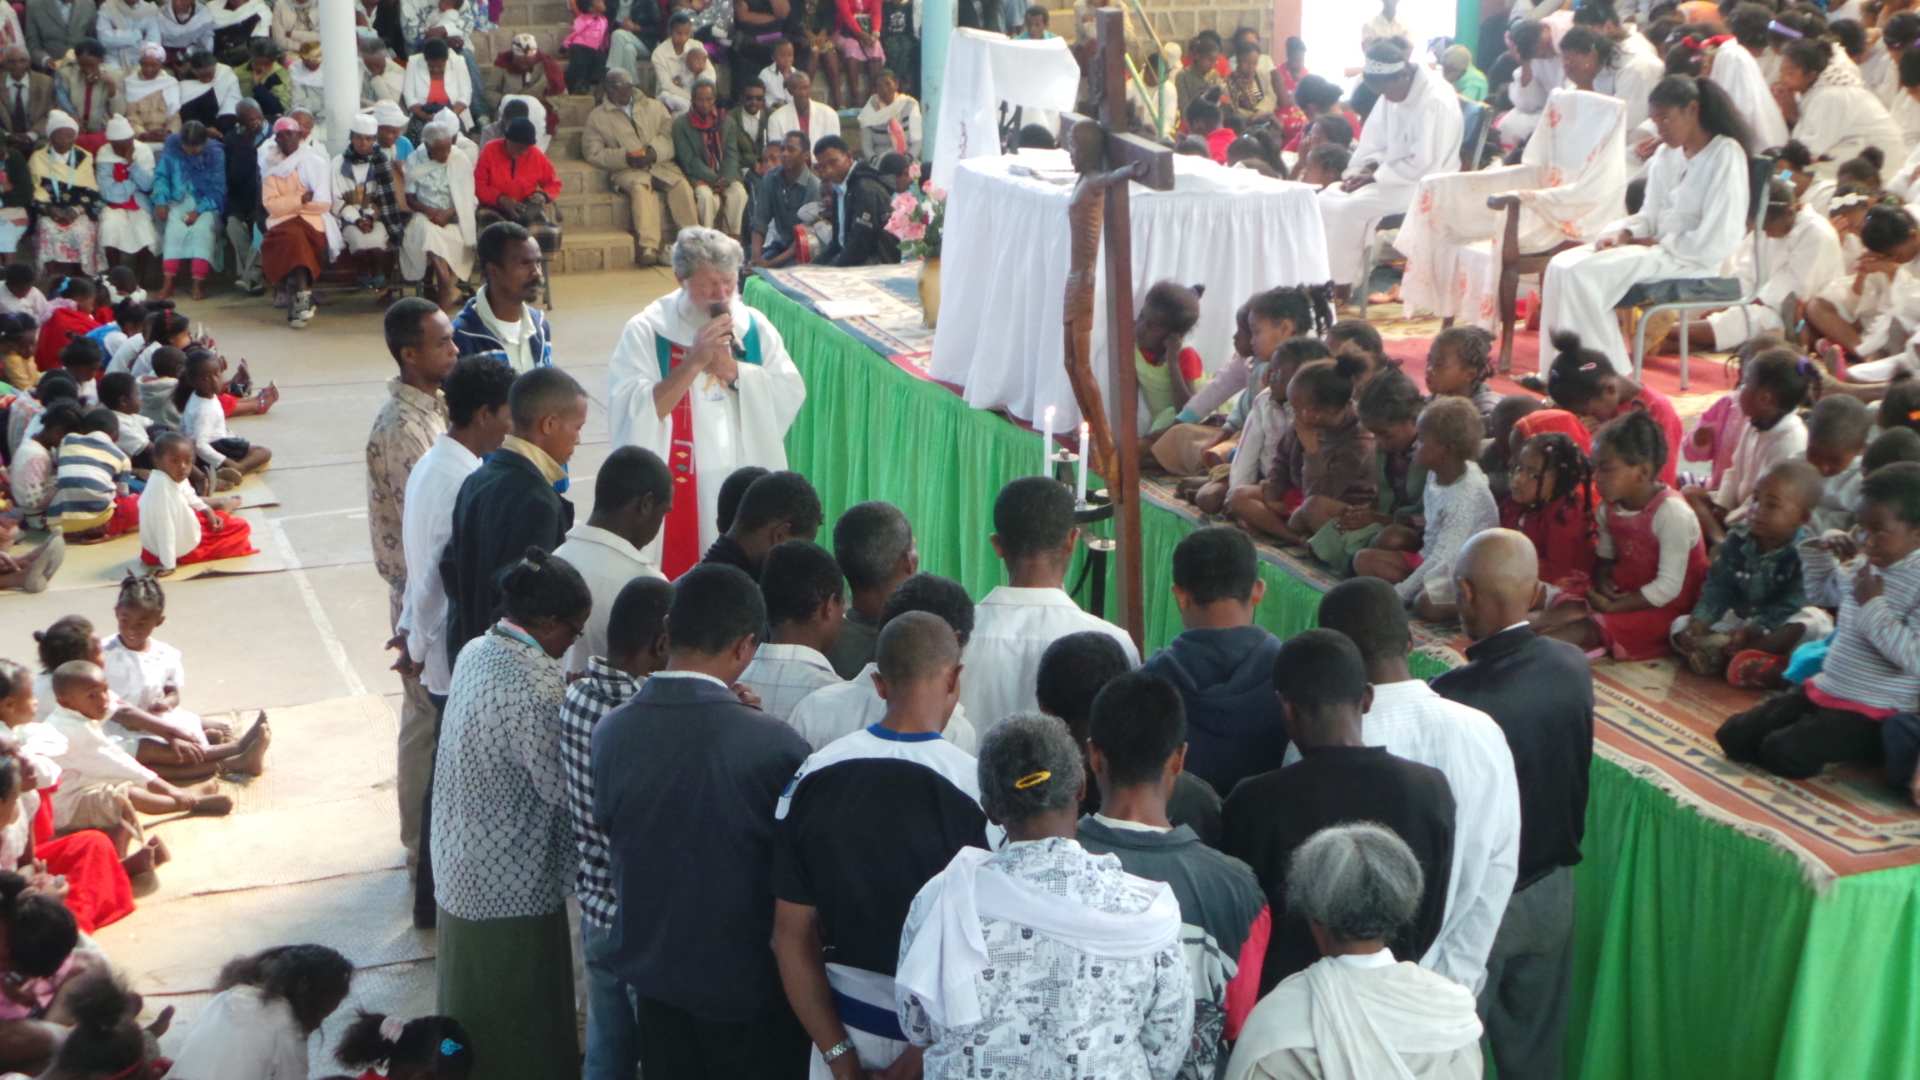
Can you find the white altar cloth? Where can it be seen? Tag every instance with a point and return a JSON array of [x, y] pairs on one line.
[[1004, 269]]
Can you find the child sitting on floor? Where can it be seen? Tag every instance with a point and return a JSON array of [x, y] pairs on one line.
[[1772, 388], [120, 392], [1872, 667], [22, 295], [1837, 432], [1159, 335], [1901, 406], [91, 503], [33, 476], [1496, 457], [82, 359], [1267, 422], [1582, 382], [177, 526], [143, 671], [1460, 364], [1753, 607], [424, 1048], [266, 1008], [99, 781], [1551, 502], [1389, 408], [201, 417], [156, 392], [1323, 465], [1651, 561], [1457, 505], [1358, 337]]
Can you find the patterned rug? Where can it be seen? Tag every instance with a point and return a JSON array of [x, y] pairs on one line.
[[1657, 721], [896, 328]]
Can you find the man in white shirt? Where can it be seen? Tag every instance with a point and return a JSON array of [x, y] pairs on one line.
[[630, 500], [1035, 535], [476, 397], [1413, 722], [802, 114], [671, 77], [806, 597], [842, 708]]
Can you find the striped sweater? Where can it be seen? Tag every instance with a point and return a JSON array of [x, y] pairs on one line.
[[1875, 655]]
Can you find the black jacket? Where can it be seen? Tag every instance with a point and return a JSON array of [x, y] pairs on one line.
[[243, 174], [505, 507], [1540, 692], [865, 240]]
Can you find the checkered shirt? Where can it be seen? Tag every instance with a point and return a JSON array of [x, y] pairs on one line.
[[603, 689]]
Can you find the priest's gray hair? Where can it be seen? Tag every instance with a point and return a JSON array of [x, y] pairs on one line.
[[1029, 764], [1358, 881], [696, 248]]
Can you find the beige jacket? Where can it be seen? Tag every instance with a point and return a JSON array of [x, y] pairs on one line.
[[611, 135]]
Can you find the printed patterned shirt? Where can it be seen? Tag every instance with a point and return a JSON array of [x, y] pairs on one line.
[[1050, 1011], [408, 424], [590, 698]]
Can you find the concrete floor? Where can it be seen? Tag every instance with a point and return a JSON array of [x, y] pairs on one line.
[[312, 853]]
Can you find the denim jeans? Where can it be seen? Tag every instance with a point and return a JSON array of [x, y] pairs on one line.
[[1900, 740], [613, 1028]]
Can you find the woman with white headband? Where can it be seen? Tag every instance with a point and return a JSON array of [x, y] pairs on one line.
[[124, 168], [365, 198], [1413, 132], [66, 201], [153, 96]]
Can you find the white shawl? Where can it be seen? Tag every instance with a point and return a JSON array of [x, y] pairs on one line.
[[949, 952], [1839, 117], [1359, 1014], [1738, 73], [137, 88]]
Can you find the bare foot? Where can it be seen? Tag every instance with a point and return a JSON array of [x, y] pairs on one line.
[[199, 288], [218, 732], [122, 836], [161, 854], [166, 291], [213, 806], [140, 862], [252, 759]]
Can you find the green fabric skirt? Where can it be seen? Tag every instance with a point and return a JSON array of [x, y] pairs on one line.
[[510, 984]]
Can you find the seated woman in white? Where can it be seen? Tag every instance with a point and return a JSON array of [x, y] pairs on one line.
[[1539, 42], [1357, 1012], [1570, 183], [1830, 109], [1413, 132], [1873, 311], [1802, 258], [1695, 213], [1738, 73]]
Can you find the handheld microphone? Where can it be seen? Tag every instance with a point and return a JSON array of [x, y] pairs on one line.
[[718, 309]]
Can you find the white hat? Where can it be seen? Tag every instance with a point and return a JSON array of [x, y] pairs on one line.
[[118, 128], [57, 120], [363, 124], [388, 114], [445, 125], [153, 49]]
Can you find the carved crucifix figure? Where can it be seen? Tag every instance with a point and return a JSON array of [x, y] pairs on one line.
[[1099, 206]]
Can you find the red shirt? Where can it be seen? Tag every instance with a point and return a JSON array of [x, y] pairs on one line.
[[63, 325], [498, 176], [1217, 142], [1657, 406]]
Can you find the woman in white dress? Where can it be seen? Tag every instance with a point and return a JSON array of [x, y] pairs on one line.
[[186, 26], [1357, 1013], [439, 187], [1738, 73], [1695, 212], [1830, 109], [309, 92]]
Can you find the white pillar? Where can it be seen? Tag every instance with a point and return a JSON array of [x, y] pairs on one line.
[[936, 29], [339, 70]]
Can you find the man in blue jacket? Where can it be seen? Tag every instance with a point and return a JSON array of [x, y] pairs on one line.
[[1223, 664], [501, 316]]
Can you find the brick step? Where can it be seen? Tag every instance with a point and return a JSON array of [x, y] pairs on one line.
[[566, 144], [581, 178], [582, 252], [596, 212]]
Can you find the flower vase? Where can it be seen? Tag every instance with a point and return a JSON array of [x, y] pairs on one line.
[[930, 291]]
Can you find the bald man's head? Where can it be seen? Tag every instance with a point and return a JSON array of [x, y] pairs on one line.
[[1496, 576]]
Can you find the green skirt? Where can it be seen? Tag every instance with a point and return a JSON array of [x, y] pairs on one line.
[[510, 984]]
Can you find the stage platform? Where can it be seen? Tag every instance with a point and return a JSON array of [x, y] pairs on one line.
[[1732, 924]]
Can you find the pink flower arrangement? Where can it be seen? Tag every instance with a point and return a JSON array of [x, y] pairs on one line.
[[919, 215]]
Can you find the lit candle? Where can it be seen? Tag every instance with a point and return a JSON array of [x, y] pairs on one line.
[[1046, 442], [1086, 451]]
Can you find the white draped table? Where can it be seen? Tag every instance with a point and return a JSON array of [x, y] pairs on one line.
[[1004, 269]]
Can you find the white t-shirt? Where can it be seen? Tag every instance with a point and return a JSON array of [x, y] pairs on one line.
[[143, 677], [1011, 628], [1755, 453]]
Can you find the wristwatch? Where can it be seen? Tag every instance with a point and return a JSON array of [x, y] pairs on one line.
[[830, 1056]]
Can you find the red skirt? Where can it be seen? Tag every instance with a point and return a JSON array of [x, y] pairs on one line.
[[98, 892], [232, 541]]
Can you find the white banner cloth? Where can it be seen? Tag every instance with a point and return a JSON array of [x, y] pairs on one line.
[[1004, 269], [985, 69]]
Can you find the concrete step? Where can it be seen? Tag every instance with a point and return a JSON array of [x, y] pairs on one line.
[[520, 13], [573, 108], [584, 252], [565, 145], [488, 44], [596, 212], [581, 178]]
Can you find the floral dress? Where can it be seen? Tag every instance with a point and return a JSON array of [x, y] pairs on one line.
[[66, 182]]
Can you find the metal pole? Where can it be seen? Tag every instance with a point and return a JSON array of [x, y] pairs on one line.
[[339, 70]]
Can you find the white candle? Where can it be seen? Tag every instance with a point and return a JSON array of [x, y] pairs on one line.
[[1086, 451], [1046, 442]]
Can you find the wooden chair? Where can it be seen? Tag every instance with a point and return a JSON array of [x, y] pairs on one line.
[[1513, 264]]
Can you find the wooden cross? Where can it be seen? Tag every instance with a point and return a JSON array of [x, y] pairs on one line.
[[1153, 164]]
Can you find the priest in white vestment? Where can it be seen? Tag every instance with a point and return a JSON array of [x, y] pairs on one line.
[[1695, 213], [705, 382], [1414, 132], [1357, 1013]]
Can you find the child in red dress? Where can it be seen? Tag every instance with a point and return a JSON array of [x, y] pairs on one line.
[[1651, 559], [1583, 383], [1551, 502]]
